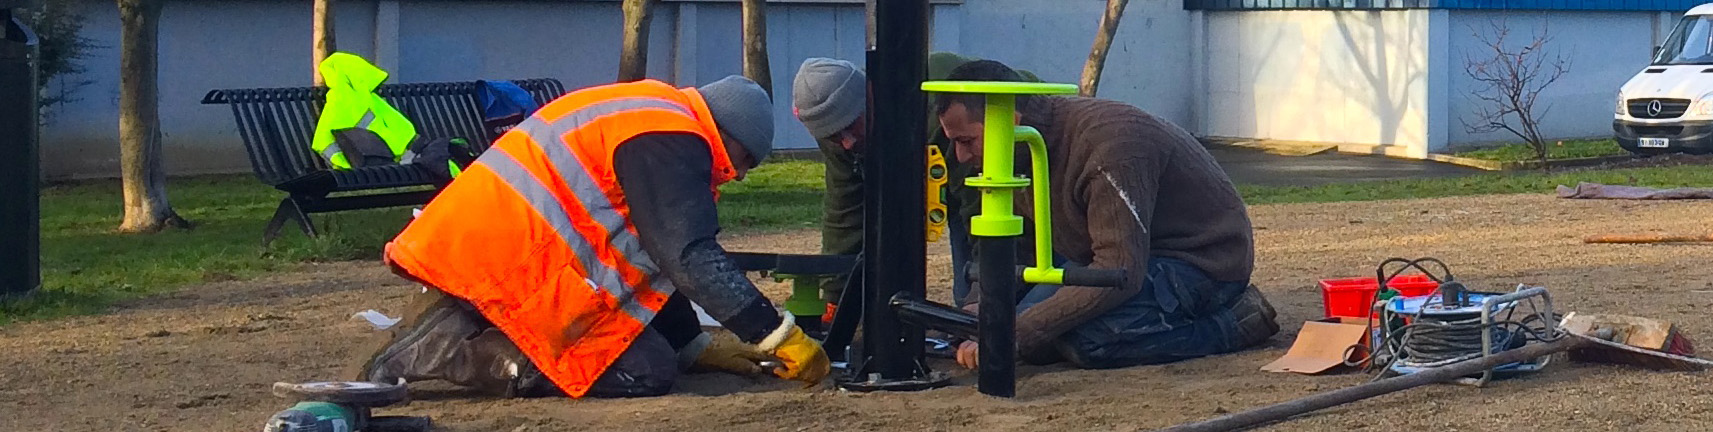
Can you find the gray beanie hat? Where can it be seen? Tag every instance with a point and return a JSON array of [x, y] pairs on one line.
[[828, 95], [743, 111]]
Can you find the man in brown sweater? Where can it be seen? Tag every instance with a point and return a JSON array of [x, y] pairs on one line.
[[1129, 191]]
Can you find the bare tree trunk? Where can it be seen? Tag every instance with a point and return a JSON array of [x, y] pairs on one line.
[[1102, 42], [633, 57], [323, 35], [145, 181], [868, 33], [1512, 79], [755, 44]]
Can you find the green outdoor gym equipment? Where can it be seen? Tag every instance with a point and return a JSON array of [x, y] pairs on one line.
[[998, 226], [998, 178]]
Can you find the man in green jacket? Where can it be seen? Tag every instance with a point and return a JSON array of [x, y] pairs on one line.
[[830, 97]]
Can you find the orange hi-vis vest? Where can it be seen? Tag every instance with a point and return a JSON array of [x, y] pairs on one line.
[[536, 234]]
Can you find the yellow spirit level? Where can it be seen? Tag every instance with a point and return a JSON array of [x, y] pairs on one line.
[[936, 194]]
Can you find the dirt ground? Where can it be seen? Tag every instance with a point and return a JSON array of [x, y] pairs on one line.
[[203, 359]]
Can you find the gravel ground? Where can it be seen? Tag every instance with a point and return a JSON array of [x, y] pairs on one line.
[[202, 359]]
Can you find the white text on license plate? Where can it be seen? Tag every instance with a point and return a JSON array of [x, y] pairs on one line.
[[1654, 142]]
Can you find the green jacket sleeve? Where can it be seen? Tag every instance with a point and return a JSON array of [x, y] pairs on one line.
[[841, 212]]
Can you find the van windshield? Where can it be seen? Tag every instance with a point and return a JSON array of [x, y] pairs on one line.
[[1691, 43]]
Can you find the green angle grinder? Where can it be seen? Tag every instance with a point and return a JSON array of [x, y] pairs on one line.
[[342, 407]]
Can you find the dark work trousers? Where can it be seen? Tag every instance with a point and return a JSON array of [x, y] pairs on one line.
[[650, 366], [1180, 314]]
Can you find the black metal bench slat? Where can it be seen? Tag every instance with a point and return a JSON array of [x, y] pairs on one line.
[[300, 116], [277, 126]]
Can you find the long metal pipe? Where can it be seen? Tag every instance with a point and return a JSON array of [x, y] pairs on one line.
[[1287, 409]]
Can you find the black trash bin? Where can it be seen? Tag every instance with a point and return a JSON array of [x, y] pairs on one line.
[[20, 212]]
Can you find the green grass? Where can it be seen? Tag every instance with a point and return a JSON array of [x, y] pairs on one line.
[[781, 195], [1570, 149], [86, 266]]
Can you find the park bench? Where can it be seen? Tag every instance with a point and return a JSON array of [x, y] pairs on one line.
[[278, 124]]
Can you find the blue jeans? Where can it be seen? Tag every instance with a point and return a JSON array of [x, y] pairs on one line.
[[961, 248], [1179, 314], [960, 258]]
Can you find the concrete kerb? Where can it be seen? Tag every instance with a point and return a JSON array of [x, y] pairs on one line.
[[1305, 148], [1282, 148], [1296, 148], [1492, 165]]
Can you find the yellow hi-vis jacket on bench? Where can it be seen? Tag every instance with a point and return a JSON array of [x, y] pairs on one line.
[[352, 103]]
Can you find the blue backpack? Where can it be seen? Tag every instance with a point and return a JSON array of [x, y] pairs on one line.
[[504, 105]]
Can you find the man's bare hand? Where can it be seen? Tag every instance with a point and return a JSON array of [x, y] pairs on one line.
[[967, 354]]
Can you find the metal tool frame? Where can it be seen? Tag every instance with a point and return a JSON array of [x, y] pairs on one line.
[[1490, 306]]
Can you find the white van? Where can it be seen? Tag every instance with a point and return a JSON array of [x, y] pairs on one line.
[[1668, 107]]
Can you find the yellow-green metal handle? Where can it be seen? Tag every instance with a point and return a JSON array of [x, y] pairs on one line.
[[1043, 272]]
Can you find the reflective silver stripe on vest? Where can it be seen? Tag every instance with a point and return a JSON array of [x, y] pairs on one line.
[[548, 136], [333, 149], [540, 197], [368, 117]]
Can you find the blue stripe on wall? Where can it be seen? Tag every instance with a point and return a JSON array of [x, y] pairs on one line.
[[1582, 5]]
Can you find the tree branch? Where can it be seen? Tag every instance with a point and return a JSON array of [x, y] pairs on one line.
[[1511, 83]]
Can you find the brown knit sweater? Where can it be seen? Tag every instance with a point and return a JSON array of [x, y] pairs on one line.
[[1126, 186]]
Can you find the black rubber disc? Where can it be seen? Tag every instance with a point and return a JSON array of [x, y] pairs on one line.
[[355, 393]]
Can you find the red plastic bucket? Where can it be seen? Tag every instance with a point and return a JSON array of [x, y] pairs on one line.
[[1353, 297]]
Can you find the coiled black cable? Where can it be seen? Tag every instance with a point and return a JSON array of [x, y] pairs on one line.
[[1431, 340], [1438, 340]]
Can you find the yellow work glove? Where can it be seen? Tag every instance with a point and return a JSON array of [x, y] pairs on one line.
[[801, 358], [728, 354]]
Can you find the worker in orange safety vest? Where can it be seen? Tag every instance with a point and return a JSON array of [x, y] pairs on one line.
[[564, 261]]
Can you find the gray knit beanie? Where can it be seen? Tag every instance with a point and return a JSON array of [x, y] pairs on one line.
[[743, 111], [828, 95]]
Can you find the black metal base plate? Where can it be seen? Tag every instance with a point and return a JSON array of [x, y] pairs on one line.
[[875, 383], [354, 393]]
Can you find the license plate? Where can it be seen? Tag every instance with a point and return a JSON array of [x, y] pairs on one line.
[[1654, 142]]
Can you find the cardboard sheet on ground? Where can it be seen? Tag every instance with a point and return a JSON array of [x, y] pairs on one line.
[[1321, 346]]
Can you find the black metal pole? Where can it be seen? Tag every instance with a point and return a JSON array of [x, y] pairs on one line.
[[20, 211], [997, 352], [894, 169]]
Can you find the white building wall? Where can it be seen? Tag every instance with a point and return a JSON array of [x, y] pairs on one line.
[[204, 45], [1353, 77], [1148, 64], [1385, 80], [1602, 50], [208, 45]]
